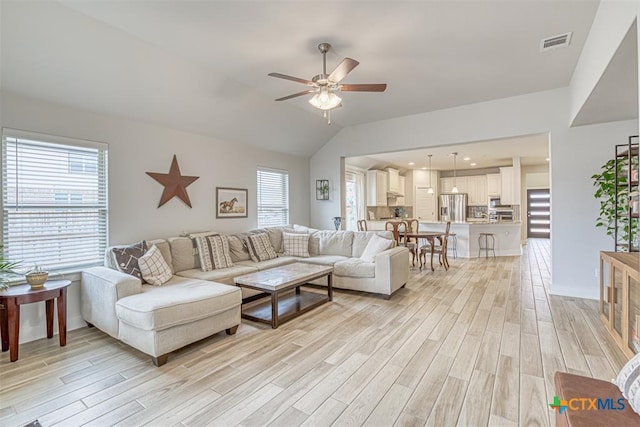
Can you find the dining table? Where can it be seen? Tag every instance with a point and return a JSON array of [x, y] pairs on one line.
[[429, 236]]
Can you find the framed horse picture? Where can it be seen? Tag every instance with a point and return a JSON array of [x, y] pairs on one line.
[[231, 202]]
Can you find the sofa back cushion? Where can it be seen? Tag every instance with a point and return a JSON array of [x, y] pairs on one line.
[[361, 239], [184, 254], [335, 242], [237, 248]]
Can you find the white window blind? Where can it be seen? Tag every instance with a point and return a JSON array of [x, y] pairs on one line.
[[273, 197], [54, 200]]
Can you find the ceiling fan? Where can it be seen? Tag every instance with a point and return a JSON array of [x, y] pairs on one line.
[[324, 86]]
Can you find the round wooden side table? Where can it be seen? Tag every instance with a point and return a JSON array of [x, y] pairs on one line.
[[12, 298]]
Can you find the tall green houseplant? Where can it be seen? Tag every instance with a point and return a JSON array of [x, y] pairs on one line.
[[607, 189]]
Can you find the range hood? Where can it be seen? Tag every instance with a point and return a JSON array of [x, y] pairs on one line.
[[393, 194]]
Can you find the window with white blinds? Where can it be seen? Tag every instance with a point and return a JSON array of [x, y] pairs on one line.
[[54, 200], [273, 197]]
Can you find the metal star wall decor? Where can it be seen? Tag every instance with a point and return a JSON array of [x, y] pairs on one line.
[[174, 183]]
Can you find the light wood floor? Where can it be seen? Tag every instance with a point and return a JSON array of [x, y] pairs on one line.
[[477, 345]]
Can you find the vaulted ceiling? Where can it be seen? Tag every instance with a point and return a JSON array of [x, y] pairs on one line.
[[202, 66]]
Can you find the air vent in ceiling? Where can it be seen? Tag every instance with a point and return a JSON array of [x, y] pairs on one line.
[[555, 42]]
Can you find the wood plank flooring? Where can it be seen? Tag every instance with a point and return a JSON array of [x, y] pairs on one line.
[[477, 345]]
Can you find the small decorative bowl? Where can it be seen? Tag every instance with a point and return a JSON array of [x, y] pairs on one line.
[[37, 280]]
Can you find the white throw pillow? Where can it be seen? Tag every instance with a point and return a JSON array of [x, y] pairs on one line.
[[376, 245], [154, 268], [296, 244], [630, 372]]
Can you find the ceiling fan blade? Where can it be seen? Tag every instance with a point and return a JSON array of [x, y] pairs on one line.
[[367, 87], [342, 70], [293, 79], [295, 95]]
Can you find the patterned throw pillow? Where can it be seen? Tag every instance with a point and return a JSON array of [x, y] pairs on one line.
[[213, 250], [260, 248], [295, 244], [154, 268], [629, 373], [127, 258]]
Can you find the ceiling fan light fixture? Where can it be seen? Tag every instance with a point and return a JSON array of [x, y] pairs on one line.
[[325, 100]]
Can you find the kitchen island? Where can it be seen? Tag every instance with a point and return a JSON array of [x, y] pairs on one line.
[[507, 235]]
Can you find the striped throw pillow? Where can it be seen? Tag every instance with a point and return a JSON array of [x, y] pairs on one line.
[[260, 248], [296, 244], [213, 250]]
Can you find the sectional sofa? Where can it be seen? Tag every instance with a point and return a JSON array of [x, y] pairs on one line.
[[195, 304]]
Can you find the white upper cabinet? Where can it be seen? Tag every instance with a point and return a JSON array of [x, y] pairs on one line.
[[394, 181], [493, 184], [377, 188], [477, 189], [506, 186], [446, 184]]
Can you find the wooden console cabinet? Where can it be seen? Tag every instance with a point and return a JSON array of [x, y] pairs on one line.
[[620, 298]]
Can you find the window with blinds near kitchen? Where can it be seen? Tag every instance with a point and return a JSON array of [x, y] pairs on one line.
[[54, 200], [273, 197]]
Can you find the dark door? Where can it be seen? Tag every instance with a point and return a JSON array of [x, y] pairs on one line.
[[538, 213]]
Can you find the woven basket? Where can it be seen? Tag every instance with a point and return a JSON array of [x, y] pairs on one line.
[[37, 280]]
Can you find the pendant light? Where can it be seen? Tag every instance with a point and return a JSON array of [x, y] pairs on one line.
[[430, 189], [455, 188]]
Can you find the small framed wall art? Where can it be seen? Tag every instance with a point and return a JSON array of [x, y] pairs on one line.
[[322, 189], [231, 202]]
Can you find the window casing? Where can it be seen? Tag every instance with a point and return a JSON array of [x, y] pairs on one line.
[[273, 197], [54, 201]]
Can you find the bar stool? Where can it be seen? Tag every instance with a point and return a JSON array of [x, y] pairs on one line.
[[362, 225], [486, 248], [454, 245]]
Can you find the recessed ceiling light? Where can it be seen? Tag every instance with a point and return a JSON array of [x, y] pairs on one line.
[[547, 159], [466, 159], [472, 164], [411, 163], [424, 168]]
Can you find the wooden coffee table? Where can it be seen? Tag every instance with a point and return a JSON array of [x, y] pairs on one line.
[[277, 282]]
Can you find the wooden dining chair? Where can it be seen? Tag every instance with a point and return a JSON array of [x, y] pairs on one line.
[[440, 249], [362, 225], [396, 227], [413, 226]]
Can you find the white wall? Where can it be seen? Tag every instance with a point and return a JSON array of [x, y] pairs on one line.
[[575, 155], [610, 25], [136, 148]]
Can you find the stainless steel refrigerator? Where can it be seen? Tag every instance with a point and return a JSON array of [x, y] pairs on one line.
[[453, 207]]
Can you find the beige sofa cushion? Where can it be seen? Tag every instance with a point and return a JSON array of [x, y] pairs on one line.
[[237, 248], [335, 242], [270, 263], [183, 253], [178, 302], [323, 259], [218, 275], [361, 239], [354, 267]]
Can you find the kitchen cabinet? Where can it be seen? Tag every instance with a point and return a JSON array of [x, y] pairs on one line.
[[393, 185], [507, 189], [493, 184], [377, 182], [446, 184], [619, 304], [400, 200], [477, 190]]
